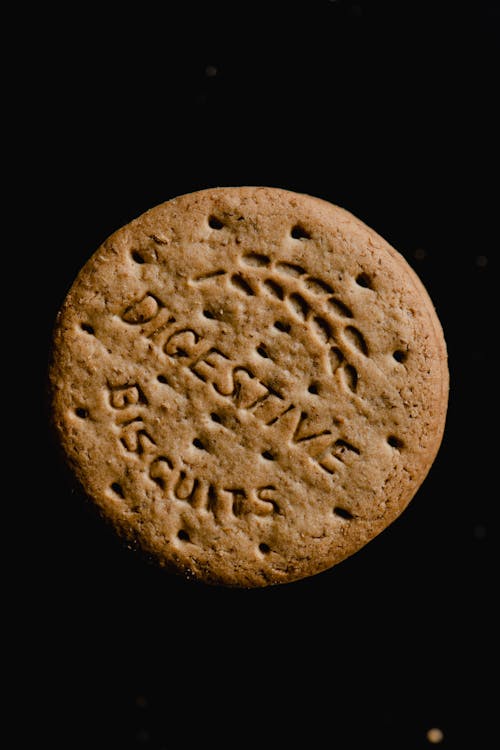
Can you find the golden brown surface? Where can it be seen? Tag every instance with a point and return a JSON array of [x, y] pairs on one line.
[[250, 382]]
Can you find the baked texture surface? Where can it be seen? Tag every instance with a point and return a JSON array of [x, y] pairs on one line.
[[249, 383]]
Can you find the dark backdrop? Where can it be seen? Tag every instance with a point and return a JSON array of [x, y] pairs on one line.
[[389, 111]]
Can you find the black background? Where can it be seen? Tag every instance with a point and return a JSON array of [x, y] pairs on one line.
[[389, 111]]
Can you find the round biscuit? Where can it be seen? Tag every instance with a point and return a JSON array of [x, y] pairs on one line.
[[250, 383]]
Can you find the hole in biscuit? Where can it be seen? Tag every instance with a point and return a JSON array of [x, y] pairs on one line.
[[362, 279], [299, 233], [322, 328], [117, 489], [81, 412], [183, 535], [395, 442], [214, 222], [162, 379], [292, 269], [343, 513], [262, 352], [327, 468], [336, 358], [344, 446], [215, 418], [299, 305], [313, 388], [318, 286], [256, 259], [351, 376], [137, 257], [264, 548], [399, 355], [198, 444], [357, 339], [268, 456], [340, 308], [241, 283], [273, 288], [284, 327], [87, 328], [208, 314]]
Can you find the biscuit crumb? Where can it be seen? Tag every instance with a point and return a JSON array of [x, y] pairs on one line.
[[435, 736]]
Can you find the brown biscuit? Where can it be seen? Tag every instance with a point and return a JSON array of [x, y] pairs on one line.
[[249, 382]]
